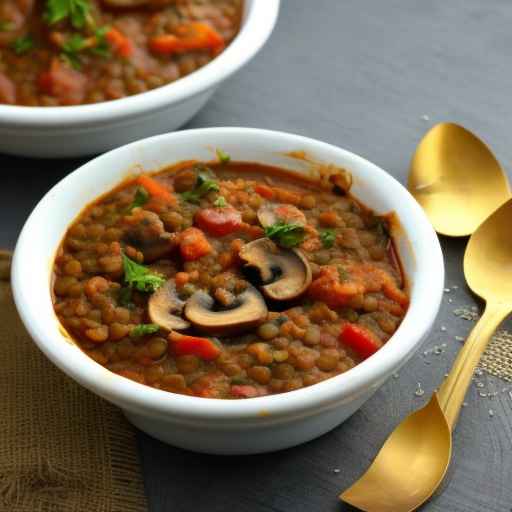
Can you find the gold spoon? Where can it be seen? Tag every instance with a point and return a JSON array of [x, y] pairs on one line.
[[414, 459], [456, 179]]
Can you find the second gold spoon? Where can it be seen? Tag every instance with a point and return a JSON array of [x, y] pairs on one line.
[[456, 179], [413, 461]]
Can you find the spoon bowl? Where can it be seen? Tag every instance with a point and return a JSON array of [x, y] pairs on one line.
[[488, 257], [413, 461], [456, 179]]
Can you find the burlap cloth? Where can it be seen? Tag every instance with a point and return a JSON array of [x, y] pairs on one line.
[[62, 449]]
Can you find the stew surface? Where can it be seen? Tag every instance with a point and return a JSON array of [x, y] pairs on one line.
[[72, 52], [229, 279]]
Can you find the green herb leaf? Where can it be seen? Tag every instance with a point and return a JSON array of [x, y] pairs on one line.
[[71, 49], [143, 329], [204, 184], [7, 26], [220, 202], [286, 235], [23, 45], [139, 277], [328, 237], [140, 199], [223, 157], [77, 11], [102, 47]]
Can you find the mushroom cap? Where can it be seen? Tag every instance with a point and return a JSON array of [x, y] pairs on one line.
[[285, 273], [163, 304], [271, 213], [249, 311]]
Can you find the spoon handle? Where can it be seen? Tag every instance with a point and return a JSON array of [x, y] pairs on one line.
[[453, 389]]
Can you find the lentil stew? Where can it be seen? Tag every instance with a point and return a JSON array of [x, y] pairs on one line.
[[229, 279], [73, 52]]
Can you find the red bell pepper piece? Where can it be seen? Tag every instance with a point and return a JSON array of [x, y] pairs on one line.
[[359, 339], [203, 348]]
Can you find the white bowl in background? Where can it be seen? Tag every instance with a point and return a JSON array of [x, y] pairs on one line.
[[212, 425], [56, 132]]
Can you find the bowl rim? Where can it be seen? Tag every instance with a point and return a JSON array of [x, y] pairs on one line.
[[138, 397], [258, 22]]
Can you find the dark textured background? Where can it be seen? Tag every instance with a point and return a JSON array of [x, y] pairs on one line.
[[361, 74]]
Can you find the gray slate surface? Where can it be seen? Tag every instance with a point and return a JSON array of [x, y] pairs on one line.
[[360, 74]]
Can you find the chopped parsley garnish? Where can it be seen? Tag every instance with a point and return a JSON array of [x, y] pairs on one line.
[[220, 202], [286, 235], [328, 237], [223, 157], [143, 329], [139, 277], [102, 48], [23, 45], [204, 184], [7, 26], [77, 11], [140, 199], [71, 49]]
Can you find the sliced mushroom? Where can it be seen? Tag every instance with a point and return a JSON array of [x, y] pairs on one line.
[[270, 214], [285, 273], [164, 306], [145, 231], [247, 311]]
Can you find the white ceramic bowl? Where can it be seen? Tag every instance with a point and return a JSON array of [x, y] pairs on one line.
[[211, 425], [54, 132]]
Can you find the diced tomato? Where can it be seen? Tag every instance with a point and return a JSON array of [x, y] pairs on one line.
[[264, 191], [66, 84], [219, 221], [193, 36], [156, 189], [359, 339], [7, 90], [203, 348], [193, 244], [119, 42], [328, 288]]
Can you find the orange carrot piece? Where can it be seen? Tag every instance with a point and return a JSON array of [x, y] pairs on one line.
[[166, 44], [155, 189], [190, 37], [120, 43], [264, 191], [194, 244]]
